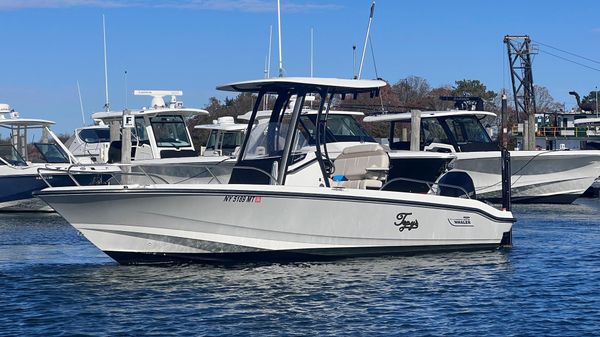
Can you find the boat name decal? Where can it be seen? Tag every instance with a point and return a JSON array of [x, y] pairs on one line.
[[403, 223], [461, 222], [257, 199]]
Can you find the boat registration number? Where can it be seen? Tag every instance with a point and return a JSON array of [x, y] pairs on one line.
[[243, 198]]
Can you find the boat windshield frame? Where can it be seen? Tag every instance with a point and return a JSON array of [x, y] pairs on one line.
[[17, 160], [167, 136], [52, 153]]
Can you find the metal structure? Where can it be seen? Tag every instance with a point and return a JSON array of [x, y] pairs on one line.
[[519, 58]]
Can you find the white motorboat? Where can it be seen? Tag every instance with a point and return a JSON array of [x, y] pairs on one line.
[[261, 214], [22, 163], [162, 148], [537, 176], [225, 137]]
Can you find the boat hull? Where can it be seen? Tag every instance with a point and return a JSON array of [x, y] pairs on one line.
[[232, 222], [537, 176], [18, 185]]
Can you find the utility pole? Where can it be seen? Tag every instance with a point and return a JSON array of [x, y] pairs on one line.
[[596, 101], [519, 58]]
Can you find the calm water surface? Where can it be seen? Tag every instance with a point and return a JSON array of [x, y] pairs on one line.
[[53, 282]]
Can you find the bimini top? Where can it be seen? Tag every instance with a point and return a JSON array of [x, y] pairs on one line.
[[223, 123], [271, 84], [185, 112], [406, 116], [589, 121]]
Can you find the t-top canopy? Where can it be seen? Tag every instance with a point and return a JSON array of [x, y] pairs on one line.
[[340, 86], [185, 112], [406, 116], [26, 122]]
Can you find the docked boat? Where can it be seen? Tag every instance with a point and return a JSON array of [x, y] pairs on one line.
[[225, 137], [161, 144], [537, 176], [26, 168], [260, 214]]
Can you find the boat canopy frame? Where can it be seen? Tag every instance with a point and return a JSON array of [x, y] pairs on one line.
[[285, 88]]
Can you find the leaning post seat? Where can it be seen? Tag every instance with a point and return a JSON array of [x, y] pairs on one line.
[[362, 166]]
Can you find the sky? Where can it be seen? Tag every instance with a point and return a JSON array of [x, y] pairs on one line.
[[47, 46]]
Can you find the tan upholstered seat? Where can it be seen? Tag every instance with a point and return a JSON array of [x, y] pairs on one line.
[[364, 166]]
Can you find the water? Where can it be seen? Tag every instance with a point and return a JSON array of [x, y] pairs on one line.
[[53, 282]]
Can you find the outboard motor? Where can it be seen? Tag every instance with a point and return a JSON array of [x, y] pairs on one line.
[[456, 178]]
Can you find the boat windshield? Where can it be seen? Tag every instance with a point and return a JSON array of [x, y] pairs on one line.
[[433, 132], [467, 129], [51, 153], [170, 131], [267, 138], [11, 156], [226, 141], [340, 128], [96, 135]]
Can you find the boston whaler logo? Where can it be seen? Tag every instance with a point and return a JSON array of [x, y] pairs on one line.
[[404, 223], [461, 222]]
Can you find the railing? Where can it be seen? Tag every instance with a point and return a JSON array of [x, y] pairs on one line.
[[119, 172], [429, 185], [552, 131]]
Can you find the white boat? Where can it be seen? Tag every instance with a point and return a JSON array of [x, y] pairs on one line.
[[260, 214], [21, 163], [537, 176], [225, 137], [162, 148]]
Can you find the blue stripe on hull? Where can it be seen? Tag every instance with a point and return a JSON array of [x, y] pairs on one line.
[[21, 187]]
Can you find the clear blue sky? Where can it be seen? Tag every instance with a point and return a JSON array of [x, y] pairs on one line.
[[194, 45]]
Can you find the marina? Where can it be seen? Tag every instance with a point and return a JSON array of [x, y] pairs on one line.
[[58, 282]]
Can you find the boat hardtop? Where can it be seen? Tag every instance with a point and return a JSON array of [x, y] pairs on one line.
[[406, 116], [226, 123], [315, 84], [157, 107]]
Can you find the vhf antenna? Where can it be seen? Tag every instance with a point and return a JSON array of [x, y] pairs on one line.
[[106, 104], [362, 59]]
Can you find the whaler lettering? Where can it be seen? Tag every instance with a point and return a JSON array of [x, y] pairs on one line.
[[403, 223]]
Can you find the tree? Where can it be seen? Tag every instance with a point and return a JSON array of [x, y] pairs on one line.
[[590, 100], [474, 88], [544, 102], [412, 91]]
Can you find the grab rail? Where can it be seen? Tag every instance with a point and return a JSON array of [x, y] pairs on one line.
[[429, 184]]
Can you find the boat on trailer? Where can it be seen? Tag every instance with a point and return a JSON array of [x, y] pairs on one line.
[[537, 176], [262, 213]]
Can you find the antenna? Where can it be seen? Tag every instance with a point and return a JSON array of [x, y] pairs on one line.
[[311, 51], [270, 40], [362, 59], [354, 62], [126, 90], [106, 104], [279, 32], [81, 104]]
